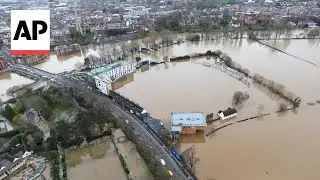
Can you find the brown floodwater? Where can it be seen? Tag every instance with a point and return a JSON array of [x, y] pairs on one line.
[[278, 147], [8, 80]]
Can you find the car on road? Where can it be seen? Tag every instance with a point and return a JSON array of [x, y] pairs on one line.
[[162, 162], [138, 134], [170, 173], [53, 80], [127, 122]]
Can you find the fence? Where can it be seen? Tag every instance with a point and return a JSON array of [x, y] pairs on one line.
[[231, 72]]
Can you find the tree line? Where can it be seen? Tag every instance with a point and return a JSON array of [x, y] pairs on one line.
[[278, 89]]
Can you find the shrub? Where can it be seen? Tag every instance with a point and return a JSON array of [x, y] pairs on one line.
[[282, 107], [239, 97], [138, 59], [9, 134]]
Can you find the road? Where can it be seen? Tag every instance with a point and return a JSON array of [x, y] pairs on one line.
[[159, 148]]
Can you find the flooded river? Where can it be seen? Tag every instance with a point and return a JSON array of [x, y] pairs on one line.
[[278, 147]]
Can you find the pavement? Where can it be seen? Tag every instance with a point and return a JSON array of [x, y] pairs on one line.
[[85, 91]]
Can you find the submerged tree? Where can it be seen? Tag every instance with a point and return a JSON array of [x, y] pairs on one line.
[[282, 106], [191, 158], [239, 97]]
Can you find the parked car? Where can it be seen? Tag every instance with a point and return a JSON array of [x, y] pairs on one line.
[[162, 162]]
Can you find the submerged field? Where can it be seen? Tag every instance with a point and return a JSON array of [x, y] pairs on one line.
[[279, 146], [95, 162]]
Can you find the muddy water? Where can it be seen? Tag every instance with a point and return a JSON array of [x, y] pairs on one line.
[[54, 65], [276, 147], [8, 80], [61, 63]]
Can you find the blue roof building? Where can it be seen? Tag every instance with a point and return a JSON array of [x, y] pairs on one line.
[[187, 122]]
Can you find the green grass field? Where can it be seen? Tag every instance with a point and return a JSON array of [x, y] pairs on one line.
[[222, 1]]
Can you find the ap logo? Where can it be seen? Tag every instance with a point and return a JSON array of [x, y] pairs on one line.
[[30, 32]]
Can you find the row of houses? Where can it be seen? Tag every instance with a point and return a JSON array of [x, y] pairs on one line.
[[106, 75], [67, 50], [11, 164]]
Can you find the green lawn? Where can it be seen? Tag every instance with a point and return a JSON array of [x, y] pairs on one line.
[[222, 1]]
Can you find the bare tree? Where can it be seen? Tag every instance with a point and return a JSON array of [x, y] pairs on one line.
[[313, 33], [165, 58], [228, 61], [282, 106], [124, 50], [78, 65], [191, 158], [288, 33], [278, 89], [241, 32], [260, 110], [114, 53], [239, 97]]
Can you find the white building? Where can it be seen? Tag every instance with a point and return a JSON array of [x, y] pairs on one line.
[[230, 112], [137, 11], [312, 25], [106, 75]]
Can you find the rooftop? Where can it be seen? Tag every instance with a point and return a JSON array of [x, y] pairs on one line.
[[105, 69], [101, 72], [179, 119]]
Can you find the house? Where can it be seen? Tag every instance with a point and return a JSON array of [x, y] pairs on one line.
[[312, 25], [67, 50], [106, 75], [230, 112], [187, 122], [30, 60], [12, 164]]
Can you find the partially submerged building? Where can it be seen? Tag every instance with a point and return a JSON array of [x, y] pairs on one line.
[[106, 75], [187, 123], [67, 50], [226, 114]]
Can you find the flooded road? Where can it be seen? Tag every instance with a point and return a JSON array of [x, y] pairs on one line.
[[277, 147]]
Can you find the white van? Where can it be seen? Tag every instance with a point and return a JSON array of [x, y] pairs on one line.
[[162, 162]]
